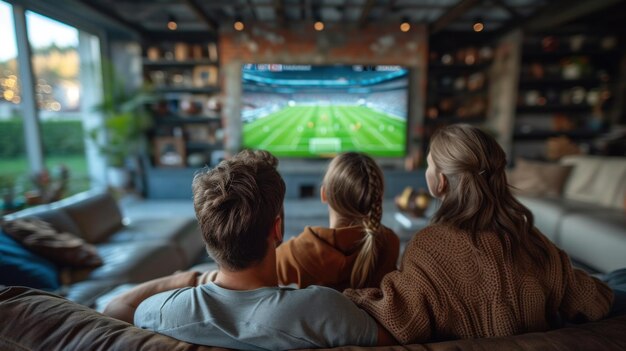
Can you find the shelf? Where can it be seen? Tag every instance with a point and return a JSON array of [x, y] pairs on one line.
[[554, 108], [198, 145], [174, 63], [192, 90], [458, 93], [457, 67], [545, 134], [182, 119], [451, 119], [534, 53], [561, 82]]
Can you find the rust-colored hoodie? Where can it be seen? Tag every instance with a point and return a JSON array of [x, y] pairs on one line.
[[325, 256]]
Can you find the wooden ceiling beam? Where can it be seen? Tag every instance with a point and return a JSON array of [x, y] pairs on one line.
[[452, 14], [202, 15], [279, 7], [252, 10], [514, 14], [112, 15], [365, 13], [561, 12]]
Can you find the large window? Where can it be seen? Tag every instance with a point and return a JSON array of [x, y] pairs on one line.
[[13, 162], [56, 67], [42, 130]]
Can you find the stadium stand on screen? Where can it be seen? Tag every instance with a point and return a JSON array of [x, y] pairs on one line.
[[319, 111]]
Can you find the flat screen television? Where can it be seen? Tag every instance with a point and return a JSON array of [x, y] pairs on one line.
[[312, 111]]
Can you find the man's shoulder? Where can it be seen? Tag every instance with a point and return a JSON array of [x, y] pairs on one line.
[[317, 297]]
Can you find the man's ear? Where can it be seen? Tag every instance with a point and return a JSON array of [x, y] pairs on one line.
[[278, 231], [442, 184], [323, 195]]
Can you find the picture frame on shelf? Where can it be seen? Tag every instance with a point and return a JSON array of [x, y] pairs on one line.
[[204, 76], [198, 133], [169, 151]]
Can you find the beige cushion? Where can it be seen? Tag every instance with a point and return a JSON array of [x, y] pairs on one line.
[[597, 180], [534, 178]]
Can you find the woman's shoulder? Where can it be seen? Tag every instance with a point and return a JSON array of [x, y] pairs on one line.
[[438, 229], [433, 235]]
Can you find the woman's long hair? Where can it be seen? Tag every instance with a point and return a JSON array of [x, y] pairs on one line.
[[478, 197], [354, 189]]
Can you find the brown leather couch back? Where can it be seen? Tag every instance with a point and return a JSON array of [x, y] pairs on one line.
[[35, 320]]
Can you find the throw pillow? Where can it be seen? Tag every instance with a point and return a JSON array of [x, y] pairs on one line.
[[64, 249], [535, 178], [19, 266]]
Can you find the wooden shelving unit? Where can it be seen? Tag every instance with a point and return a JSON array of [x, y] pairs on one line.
[[566, 88], [457, 84], [187, 111]]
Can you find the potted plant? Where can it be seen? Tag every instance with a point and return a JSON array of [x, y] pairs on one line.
[[121, 136], [7, 192]]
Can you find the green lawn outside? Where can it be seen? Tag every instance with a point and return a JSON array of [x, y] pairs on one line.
[[17, 168], [313, 131]]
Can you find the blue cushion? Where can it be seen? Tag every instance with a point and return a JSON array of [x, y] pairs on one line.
[[18, 266]]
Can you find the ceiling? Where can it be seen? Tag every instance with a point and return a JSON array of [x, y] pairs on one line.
[[151, 16], [147, 19]]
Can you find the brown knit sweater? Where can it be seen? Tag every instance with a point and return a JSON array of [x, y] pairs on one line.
[[325, 256], [448, 288]]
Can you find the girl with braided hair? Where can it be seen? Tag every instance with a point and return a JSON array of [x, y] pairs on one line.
[[356, 250], [481, 269]]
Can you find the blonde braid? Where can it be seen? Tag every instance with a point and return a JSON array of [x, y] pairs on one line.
[[365, 263]]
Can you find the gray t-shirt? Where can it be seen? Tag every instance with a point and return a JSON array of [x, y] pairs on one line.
[[262, 319]]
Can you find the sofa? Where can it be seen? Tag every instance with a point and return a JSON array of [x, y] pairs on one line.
[[37, 320], [132, 249], [586, 217]]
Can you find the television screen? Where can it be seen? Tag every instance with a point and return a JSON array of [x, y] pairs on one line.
[[319, 111]]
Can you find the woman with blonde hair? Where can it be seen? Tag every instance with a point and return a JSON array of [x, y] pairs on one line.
[[356, 250], [481, 269]]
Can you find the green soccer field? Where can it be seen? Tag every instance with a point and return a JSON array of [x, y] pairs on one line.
[[313, 131]]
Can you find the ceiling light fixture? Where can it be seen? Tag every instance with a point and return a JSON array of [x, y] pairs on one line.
[[478, 25], [405, 25], [238, 25], [171, 23], [318, 25]]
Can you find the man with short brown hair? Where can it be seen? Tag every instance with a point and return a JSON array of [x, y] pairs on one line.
[[239, 207]]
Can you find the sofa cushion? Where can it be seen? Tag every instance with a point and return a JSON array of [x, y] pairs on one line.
[[60, 220], [97, 216], [35, 320], [549, 212], [18, 266], [597, 180], [184, 233], [136, 262], [533, 178], [64, 249], [597, 239]]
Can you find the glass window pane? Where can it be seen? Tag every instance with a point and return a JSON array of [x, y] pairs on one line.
[[13, 162], [56, 66]]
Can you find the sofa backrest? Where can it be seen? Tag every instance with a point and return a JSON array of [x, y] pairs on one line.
[[33, 319], [36, 320], [597, 180], [96, 216]]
